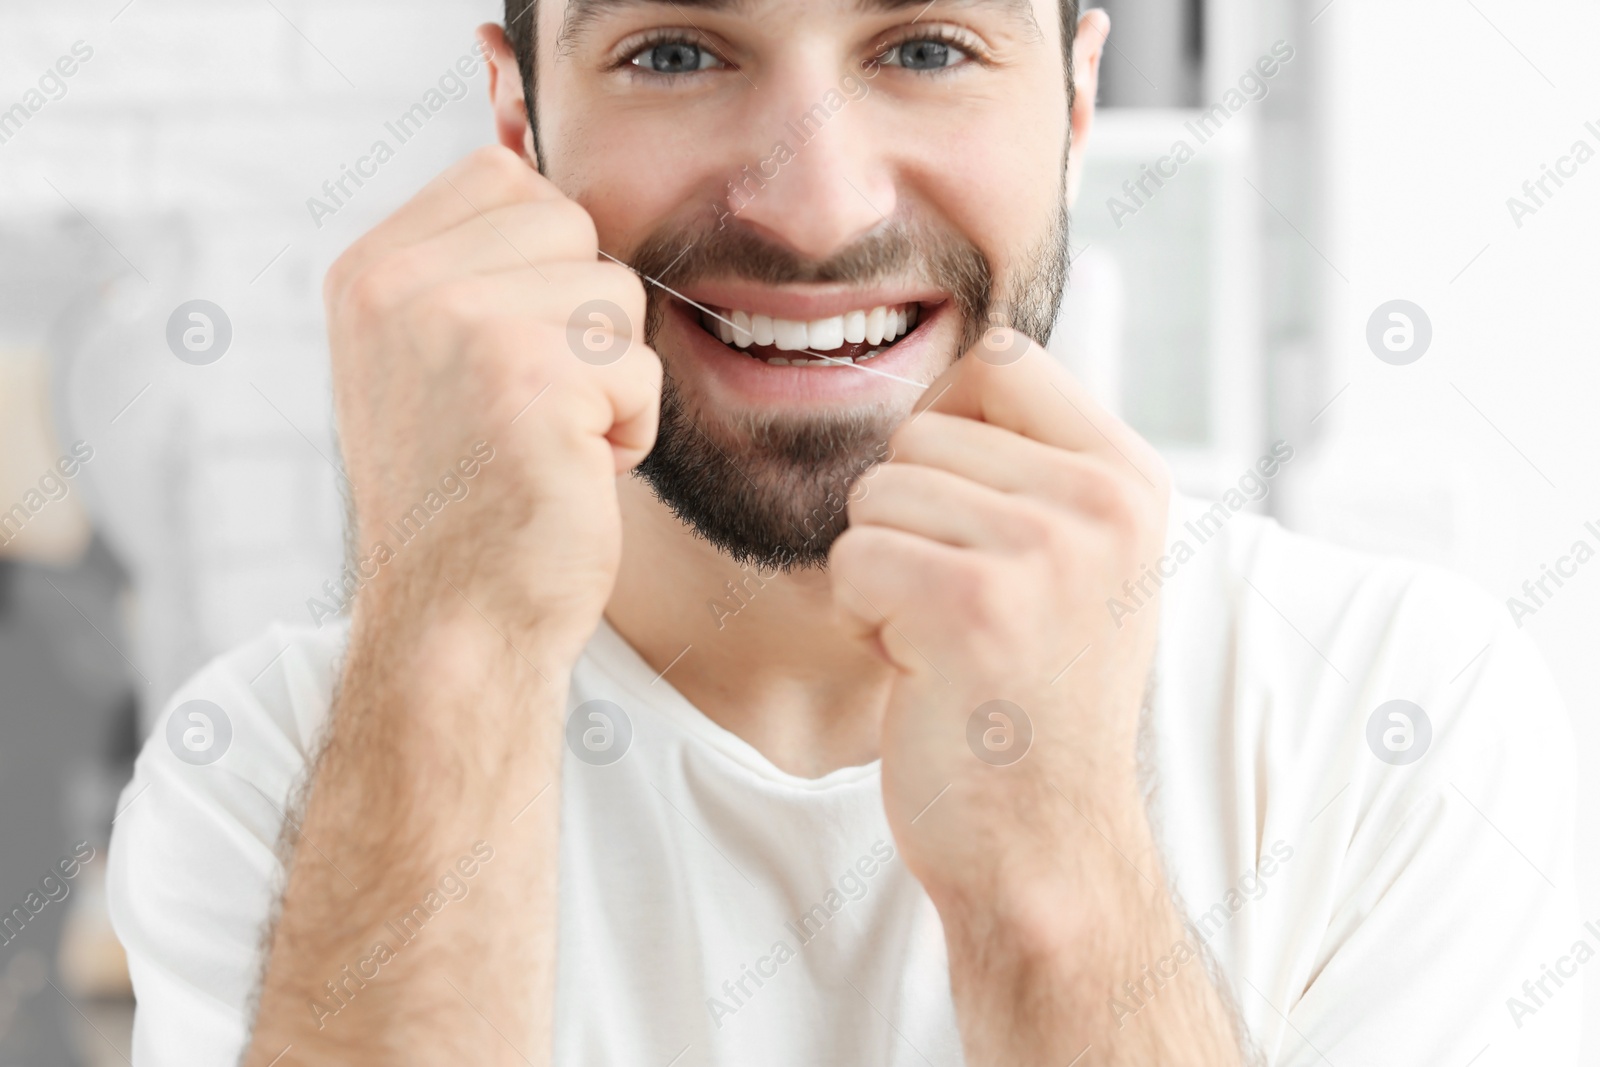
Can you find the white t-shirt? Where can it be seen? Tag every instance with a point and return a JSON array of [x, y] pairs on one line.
[[716, 910]]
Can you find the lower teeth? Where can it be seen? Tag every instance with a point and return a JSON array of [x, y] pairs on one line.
[[780, 361]]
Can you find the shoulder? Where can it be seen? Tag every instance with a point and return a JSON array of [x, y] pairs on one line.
[[1385, 725], [193, 864], [248, 722], [1350, 688], [1328, 635], [270, 696]]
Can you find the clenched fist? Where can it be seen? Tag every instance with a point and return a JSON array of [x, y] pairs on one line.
[[980, 559], [470, 316]]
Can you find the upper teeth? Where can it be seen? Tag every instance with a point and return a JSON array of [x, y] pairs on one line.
[[877, 326]]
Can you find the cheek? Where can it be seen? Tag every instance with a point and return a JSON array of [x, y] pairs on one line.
[[991, 167], [632, 169], [994, 170]]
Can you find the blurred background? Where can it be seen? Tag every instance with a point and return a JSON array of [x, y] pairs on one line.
[[1241, 241]]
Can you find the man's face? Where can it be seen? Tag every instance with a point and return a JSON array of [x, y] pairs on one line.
[[849, 190]]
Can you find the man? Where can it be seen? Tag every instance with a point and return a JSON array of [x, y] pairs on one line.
[[764, 654]]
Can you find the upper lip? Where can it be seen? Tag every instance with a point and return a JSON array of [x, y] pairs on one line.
[[807, 303]]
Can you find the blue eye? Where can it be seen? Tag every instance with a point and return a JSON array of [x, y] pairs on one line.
[[924, 54], [675, 57]]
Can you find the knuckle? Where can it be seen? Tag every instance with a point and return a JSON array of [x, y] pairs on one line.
[[844, 555], [488, 155], [497, 172], [1109, 495], [976, 594], [343, 273], [367, 294], [399, 272], [654, 371], [1127, 504], [379, 285], [1123, 511], [621, 285], [454, 301], [862, 509], [578, 286], [624, 280], [500, 165], [906, 438], [849, 562], [857, 551], [876, 492], [1037, 527], [569, 227]]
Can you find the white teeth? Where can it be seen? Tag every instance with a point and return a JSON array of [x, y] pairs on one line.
[[779, 361], [761, 328], [875, 325], [881, 326], [855, 327], [788, 336], [824, 335]]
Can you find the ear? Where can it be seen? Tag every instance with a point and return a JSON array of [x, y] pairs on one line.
[[511, 125], [1088, 46]]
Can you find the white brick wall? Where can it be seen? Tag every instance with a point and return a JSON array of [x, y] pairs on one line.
[[190, 141]]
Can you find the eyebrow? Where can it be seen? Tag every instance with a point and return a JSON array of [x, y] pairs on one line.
[[583, 14]]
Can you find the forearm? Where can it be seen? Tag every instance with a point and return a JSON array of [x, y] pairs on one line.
[[441, 738], [1079, 963]]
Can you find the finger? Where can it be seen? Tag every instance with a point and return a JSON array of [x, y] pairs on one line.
[[489, 178], [620, 402], [634, 388], [877, 574], [604, 337], [523, 235], [607, 354], [567, 294], [518, 235], [1034, 396], [945, 507], [1003, 460]]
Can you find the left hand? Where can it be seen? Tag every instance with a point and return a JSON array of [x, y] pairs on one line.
[[980, 559]]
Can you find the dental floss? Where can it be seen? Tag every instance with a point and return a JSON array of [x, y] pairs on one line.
[[719, 318]]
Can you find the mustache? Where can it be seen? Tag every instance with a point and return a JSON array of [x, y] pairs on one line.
[[901, 249]]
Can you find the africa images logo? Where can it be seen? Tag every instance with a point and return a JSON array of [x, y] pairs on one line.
[[199, 732], [599, 732], [199, 332]]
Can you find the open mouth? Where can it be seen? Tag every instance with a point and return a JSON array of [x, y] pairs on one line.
[[853, 337]]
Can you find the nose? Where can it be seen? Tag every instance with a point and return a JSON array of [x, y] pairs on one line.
[[820, 180]]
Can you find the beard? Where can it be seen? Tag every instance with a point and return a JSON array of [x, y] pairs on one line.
[[770, 489]]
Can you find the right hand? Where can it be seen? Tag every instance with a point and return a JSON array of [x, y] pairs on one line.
[[444, 323]]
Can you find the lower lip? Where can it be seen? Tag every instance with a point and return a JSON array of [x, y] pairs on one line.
[[746, 378]]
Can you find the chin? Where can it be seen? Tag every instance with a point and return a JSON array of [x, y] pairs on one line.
[[762, 440]]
